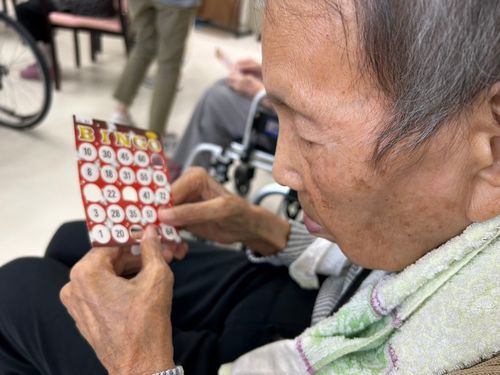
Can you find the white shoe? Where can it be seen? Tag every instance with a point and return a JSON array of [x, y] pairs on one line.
[[122, 119]]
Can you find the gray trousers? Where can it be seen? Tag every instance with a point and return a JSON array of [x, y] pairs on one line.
[[219, 118], [161, 32]]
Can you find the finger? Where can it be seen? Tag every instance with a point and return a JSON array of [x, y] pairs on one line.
[[232, 83], [234, 79], [194, 213], [181, 250], [216, 233], [168, 255], [195, 186], [103, 256], [99, 260], [65, 294], [167, 250], [175, 250], [189, 186], [151, 247], [234, 76], [247, 64]]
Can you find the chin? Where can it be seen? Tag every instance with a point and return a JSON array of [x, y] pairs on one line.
[[324, 235]]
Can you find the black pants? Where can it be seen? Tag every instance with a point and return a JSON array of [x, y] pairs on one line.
[[32, 15], [223, 306]]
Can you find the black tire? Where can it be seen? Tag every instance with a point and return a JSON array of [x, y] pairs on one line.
[[9, 115]]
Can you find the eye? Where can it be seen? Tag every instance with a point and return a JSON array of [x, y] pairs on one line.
[[308, 143]]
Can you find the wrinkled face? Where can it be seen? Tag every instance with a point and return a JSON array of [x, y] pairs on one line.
[[330, 116]]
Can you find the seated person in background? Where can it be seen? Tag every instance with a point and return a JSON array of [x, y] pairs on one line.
[[390, 134], [32, 14], [221, 113]]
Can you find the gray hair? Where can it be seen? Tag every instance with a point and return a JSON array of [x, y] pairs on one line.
[[430, 58]]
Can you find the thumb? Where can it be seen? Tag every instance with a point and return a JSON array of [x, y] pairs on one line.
[[151, 247]]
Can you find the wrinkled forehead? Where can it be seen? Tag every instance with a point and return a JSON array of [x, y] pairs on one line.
[[307, 43], [303, 23]]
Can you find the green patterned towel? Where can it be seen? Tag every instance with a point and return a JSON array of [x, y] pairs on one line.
[[437, 315]]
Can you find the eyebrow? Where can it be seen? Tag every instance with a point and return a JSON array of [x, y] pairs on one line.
[[280, 101]]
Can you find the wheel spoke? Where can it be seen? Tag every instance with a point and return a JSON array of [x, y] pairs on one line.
[[22, 102]]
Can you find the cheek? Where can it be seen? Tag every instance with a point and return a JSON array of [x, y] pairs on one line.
[[336, 179]]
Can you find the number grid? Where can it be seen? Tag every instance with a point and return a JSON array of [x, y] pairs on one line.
[[124, 180]]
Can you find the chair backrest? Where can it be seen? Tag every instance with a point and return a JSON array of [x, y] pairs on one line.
[[114, 25], [109, 25]]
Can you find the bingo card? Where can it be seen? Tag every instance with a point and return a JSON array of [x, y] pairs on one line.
[[124, 180]]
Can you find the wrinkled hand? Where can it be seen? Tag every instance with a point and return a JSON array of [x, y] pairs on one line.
[[203, 207], [126, 321], [129, 264], [245, 84]]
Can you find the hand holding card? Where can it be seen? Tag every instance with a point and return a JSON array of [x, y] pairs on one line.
[[124, 181]]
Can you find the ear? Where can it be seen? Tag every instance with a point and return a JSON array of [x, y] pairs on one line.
[[485, 202]]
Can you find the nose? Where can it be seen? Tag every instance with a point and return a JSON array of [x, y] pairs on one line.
[[287, 160]]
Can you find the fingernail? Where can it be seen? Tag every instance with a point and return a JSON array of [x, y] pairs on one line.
[[135, 250]]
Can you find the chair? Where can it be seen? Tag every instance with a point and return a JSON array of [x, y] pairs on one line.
[[247, 151], [117, 26]]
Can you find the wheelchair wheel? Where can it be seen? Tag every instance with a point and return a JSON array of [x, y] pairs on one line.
[[23, 103]]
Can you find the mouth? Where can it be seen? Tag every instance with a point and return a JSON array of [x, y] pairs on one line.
[[312, 226]]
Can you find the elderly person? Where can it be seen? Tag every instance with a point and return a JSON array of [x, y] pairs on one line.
[[390, 133], [220, 115]]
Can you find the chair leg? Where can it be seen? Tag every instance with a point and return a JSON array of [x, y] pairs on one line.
[[98, 41], [93, 47], [77, 47], [55, 62]]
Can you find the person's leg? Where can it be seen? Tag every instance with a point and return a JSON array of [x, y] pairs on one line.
[[146, 40], [31, 14], [33, 17], [37, 335], [219, 118], [227, 273], [69, 244], [173, 25], [225, 306]]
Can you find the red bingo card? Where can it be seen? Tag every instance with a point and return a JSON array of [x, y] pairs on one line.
[[123, 180]]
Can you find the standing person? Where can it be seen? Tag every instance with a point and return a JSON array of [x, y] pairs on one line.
[[161, 28]]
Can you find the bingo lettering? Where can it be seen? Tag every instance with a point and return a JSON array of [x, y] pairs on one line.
[[123, 180]]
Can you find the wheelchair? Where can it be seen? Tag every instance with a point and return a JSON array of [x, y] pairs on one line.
[[254, 151], [23, 103]]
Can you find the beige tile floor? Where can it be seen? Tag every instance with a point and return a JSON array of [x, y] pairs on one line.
[[38, 176]]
